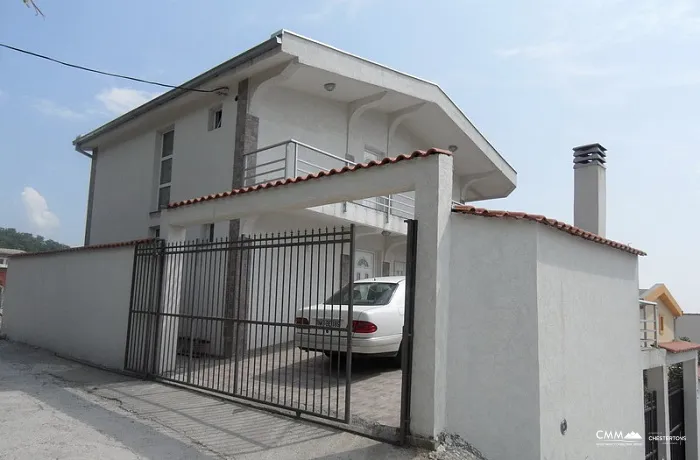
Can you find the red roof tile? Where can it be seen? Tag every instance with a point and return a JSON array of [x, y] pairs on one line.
[[332, 172], [570, 229], [85, 248], [679, 346]]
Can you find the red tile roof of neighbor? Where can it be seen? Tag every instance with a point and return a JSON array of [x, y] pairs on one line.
[[318, 175], [85, 248], [570, 229], [679, 346]]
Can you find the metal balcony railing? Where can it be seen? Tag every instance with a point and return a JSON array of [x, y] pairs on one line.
[[292, 158], [649, 324]]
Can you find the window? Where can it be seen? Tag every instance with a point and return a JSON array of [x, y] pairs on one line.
[[364, 294], [3, 262], [154, 232], [661, 324], [166, 169], [215, 116]]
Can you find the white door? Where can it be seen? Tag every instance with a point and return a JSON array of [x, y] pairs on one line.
[[364, 265]]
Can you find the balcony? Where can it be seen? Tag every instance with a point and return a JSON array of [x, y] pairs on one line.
[[649, 328], [292, 158]]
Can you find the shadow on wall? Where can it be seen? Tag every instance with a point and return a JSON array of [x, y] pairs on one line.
[[227, 428]]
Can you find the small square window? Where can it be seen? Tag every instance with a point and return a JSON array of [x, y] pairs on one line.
[[154, 232], [215, 117]]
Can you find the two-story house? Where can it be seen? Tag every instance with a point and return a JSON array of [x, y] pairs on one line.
[[287, 107]]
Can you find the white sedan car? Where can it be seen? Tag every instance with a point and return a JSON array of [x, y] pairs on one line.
[[377, 319]]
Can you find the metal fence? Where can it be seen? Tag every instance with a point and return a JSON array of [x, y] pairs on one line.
[[676, 415], [651, 447], [292, 158], [235, 316]]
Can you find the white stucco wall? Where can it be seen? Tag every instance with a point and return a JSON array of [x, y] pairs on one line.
[[73, 303], [124, 185], [588, 320], [544, 327], [492, 374]]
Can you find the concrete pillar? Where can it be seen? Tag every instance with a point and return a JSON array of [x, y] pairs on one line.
[[168, 326], [690, 399], [433, 209], [245, 140], [657, 380]]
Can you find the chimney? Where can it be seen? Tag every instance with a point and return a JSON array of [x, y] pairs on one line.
[[589, 188]]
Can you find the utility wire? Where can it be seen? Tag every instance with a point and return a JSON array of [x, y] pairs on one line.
[[87, 69]]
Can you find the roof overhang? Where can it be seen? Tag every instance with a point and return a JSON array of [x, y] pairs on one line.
[[482, 173], [661, 292]]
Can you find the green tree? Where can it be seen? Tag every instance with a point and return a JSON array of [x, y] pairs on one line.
[[12, 239]]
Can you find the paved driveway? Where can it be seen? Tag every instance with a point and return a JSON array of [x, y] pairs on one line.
[[52, 408], [303, 380]]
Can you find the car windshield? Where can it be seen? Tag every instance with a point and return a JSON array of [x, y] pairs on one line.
[[364, 294]]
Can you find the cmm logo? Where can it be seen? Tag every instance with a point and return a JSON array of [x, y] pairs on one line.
[[618, 438]]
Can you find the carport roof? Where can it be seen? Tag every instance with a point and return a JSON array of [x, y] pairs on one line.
[[318, 175], [564, 227]]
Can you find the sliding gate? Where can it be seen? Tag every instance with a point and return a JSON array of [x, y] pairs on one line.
[[246, 318]]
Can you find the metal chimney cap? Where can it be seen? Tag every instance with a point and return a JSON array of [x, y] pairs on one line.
[[595, 146]]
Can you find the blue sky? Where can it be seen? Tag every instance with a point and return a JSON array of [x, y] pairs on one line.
[[536, 77]]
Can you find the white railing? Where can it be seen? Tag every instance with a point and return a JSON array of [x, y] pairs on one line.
[[292, 158], [649, 324]]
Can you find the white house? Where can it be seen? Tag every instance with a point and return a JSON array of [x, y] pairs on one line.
[[526, 337], [287, 107]]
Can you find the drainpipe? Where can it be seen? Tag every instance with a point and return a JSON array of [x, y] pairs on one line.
[[91, 189]]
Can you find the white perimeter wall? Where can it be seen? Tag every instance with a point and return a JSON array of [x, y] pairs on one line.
[[543, 328], [492, 373], [589, 358], [72, 303]]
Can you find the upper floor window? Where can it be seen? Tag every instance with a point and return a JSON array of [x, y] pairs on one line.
[[215, 116], [3, 262], [166, 168]]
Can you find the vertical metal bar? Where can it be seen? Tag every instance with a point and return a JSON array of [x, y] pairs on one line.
[[265, 339], [236, 313], [325, 296], [308, 356], [300, 330], [159, 290], [348, 358], [191, 267], [296, 160], [220, 313], [210, 369], [283, 310], [197, 304], [276, 267], [260, 313], [319, 245], [144, 310], [131, 308], [407, 341], [340, 308]]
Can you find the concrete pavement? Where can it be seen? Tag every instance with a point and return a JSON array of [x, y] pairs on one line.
[[55, 408]]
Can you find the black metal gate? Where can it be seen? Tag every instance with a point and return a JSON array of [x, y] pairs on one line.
[[234, 316], [651, 447], [676, 414]]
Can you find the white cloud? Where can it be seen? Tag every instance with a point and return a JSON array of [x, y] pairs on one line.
[[118, 101], [38, 211], [51, 109]]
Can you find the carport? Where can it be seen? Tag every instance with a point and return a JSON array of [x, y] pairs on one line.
[[429, 174]]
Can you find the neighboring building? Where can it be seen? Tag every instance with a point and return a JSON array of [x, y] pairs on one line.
[[688, 325], [4, 263], [666, 313], [285, 108]]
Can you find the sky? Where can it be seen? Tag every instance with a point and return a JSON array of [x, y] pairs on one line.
[[537, 78]]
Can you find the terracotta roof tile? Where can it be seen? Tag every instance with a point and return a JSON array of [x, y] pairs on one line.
[[332, 172], [679, 346], [86, 248], [570, 229]]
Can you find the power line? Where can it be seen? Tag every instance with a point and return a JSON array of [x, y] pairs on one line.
[[126, 77]]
